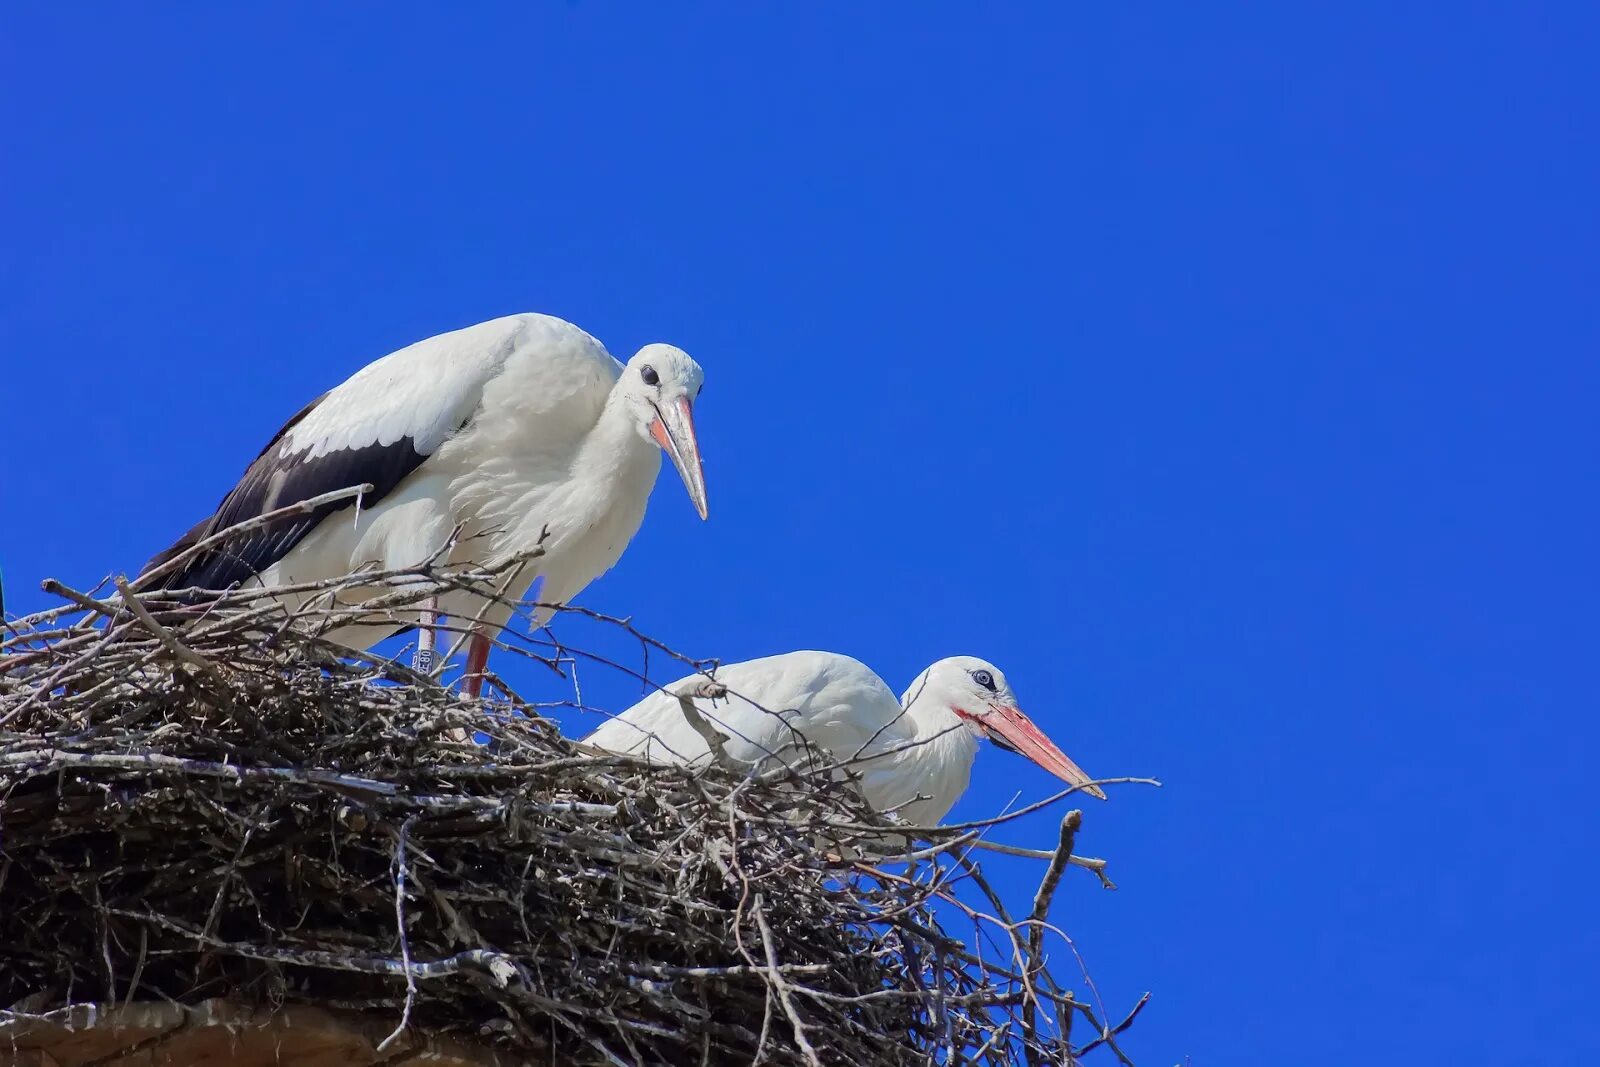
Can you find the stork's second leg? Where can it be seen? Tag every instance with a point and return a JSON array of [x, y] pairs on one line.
[[477, 661], [427, 637]]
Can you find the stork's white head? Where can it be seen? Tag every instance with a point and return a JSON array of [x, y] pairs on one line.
[[977, 695], [659, 386]]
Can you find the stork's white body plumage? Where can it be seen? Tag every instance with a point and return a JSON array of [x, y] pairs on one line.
[[540, 454], [913, 754], [521, 431]]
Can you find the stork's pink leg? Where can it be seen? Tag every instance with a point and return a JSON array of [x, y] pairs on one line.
[[477, 661]]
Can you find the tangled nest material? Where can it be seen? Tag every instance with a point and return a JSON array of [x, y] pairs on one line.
[[198, 800]]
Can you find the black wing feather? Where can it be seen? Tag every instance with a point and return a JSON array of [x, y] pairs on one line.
[[275, 481]]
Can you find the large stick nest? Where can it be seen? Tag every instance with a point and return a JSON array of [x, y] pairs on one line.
[[199, 801]]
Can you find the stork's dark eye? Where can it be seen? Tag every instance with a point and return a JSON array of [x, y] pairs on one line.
[[648, 373], [985, 679]]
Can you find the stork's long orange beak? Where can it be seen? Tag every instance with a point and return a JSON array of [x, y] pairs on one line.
[[1014, 730], [673, 430]]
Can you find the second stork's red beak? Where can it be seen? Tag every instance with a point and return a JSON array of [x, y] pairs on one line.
[[1014, 730]]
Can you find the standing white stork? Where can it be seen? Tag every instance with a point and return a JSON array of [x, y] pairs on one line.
[[914, 755], [515, 429]]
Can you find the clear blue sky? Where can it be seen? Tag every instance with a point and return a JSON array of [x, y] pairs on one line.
[[1224, 372]]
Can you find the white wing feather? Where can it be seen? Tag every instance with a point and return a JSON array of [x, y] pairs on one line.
[[426, 390], [833, 702]]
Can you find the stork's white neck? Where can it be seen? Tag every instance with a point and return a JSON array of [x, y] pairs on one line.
[[596, 509], [933, 759], [615, 449], [587, 491]]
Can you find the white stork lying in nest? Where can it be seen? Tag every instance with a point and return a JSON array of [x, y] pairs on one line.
[[522, 432], [913, 755]]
